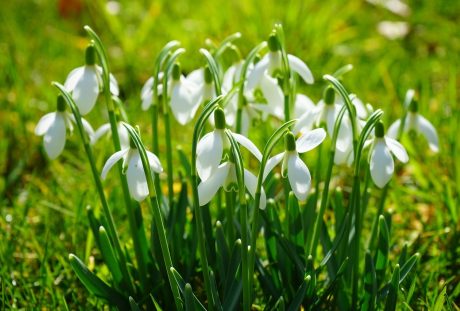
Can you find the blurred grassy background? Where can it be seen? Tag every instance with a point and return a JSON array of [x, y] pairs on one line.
[[42, 202]]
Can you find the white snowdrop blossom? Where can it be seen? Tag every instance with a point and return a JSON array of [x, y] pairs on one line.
[[210, 148], [132, 165], [271, 63], [417, 123], [326, 111], [225, 176], [183, 103], [105, 129], [147, 91], [381, 161], [203, 86], [53, 127], [292, 165], [85, 83]]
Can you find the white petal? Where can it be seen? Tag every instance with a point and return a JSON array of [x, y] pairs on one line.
[[88, 128], [344, 156], [44, 124], [274, 95], [299, 176], [361, 109], [331, 114], [86, 90], [397, 149], [209, 154], [297, 65], [114, 85], [114, 158], [196, 76], [306, 121], [55, 136], [229, 78], [154, 162], [147, 87], [250, 181], [345, 135], [248, 144], [271, 163], [181, 104], [428, 130], [137, 183], [256, 74], [381, 164], [147, 100], [73, 78], [310, 140], [302, 104], [392, 131], [101, 131], [124, 136], [208, 188]]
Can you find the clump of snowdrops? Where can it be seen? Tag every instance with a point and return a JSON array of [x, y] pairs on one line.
[[246, 230]]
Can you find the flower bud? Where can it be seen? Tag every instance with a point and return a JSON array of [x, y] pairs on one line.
[[60, 103], [273, 43], [176, 72], [90, 55], [207, 75], [219, 119], [379, 130], [329, 96], [289, 142]]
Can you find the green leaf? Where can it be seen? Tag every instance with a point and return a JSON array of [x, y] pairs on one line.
[[110, 258], [95, 285], [181, 284], [300, 294], [392, 298], [381, 258], [133, 304], [189, 300], [370, 285]]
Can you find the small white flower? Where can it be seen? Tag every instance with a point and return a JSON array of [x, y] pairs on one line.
[[105, 129], [53, 126], [132, 163], [381, 162], [210, 148], [203, 89], [183, 104], [225, 176], [147, 91], [296, 170], [85, 83], [415, 122]]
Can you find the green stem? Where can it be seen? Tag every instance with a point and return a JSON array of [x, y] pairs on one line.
[[230, 209], [100, 190], [371, 241], [157, 216]]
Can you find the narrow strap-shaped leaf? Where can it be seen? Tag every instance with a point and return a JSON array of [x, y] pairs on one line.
[[181, 285], [392, 298], [110, 258], [381, 257], [370, 285], [133, 305], [188, 296], [300, 294], [95, 285]]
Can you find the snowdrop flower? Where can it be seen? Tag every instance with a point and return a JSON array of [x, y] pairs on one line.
[[225, 176], [183, 104], [415, 122], [271, 63], [53, 127], [293, 167], [210, 148], [147, 91], [326, 112], [105, 129], [85, 82], [203, 85], [132, 164], [381, 162]]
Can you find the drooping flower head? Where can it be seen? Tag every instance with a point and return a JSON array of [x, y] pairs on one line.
[[292, 165], [85, 83], [417, 123], [381, 161], [132, 165], [53, 127], [210, 148]]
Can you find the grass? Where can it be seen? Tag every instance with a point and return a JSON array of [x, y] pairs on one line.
[[43, 202]]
